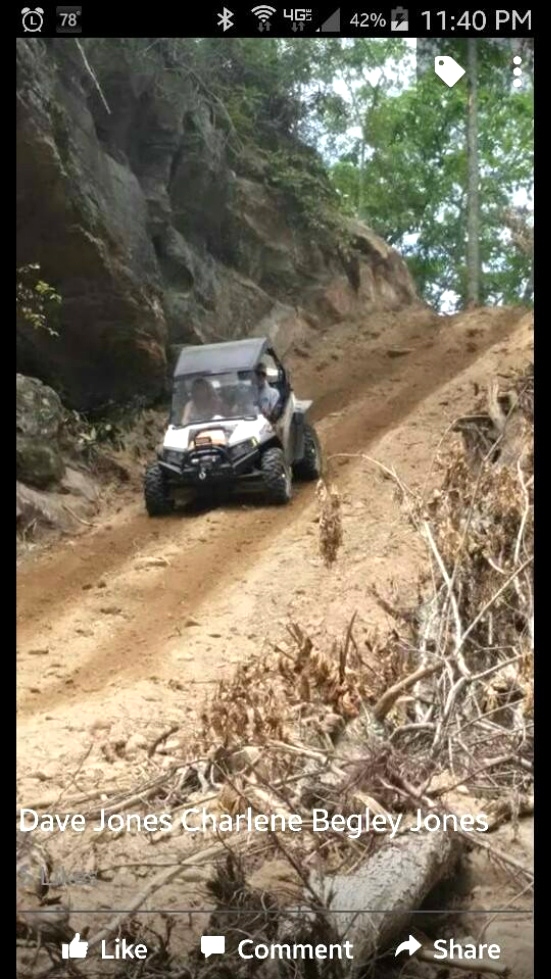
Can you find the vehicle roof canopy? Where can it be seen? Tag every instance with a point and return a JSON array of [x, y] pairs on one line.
[[216, 358]]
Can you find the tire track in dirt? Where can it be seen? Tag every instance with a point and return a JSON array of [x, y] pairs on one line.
[[369, 411], [53, 578]]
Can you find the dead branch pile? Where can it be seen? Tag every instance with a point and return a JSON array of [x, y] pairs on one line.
[[295, 689], [477, 619]]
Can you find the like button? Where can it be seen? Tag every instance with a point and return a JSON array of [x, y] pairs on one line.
[[75, 949]]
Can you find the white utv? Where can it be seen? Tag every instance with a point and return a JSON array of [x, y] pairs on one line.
[[220, 435]]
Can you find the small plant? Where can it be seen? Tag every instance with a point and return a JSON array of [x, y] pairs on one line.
[[330, 522], [315, 204], [35, 299], [92, 436]]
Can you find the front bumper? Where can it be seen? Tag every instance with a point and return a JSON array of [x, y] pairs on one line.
[[202, 467]]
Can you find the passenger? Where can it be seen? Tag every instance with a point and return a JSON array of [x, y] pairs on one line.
[[268, 397], [244, 403], [204, 403]]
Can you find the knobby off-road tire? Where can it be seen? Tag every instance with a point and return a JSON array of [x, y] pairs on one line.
[[277, 476], [157, 499], [309, 467]]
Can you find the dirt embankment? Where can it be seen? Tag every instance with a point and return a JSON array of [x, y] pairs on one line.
[[128, 627]]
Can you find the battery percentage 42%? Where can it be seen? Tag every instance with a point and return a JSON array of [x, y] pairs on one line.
[[368, 20]]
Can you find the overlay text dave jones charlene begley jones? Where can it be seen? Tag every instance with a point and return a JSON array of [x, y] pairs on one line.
[[200, 820]]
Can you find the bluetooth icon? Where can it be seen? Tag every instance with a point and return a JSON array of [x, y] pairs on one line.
[[225, 19]]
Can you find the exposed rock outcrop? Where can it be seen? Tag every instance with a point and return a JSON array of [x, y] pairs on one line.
[[38, 463], [52, 488], [83, 216], [39, 422], [135, 215]]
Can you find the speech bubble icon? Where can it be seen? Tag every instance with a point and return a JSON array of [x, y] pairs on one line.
[[213, 945], [448, 70]]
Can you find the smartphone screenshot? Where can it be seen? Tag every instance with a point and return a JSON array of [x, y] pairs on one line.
[[274, 478]]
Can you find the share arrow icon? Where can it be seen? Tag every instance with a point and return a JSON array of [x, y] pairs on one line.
[[411, 946]]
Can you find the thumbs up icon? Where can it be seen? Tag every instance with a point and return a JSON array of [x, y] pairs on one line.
[[75, 949]]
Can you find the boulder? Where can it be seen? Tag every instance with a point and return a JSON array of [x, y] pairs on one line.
[[39, 412], [39, 463], [39, 426], [287, 328], [42, 508], [79, 484]]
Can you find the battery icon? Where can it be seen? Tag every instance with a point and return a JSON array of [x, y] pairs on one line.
[[399, 19]]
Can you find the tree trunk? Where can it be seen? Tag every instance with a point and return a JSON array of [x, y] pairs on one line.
[[529, 289], [361, 181], [396, 880], [374, 905], [473, 215]]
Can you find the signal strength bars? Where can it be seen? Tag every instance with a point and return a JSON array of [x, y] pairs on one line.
[[332, 25]]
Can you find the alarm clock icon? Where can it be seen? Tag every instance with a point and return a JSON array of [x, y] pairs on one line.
[[32, 20]]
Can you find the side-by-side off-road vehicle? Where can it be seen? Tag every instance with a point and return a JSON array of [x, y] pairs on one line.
[[220, 435]]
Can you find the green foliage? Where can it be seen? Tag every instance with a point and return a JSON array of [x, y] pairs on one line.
[[414, 177], [393, 148], [36, 300], [345, 178], [312, 201], [89, 436]]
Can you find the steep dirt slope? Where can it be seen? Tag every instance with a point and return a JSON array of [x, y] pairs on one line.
[[124, 613]]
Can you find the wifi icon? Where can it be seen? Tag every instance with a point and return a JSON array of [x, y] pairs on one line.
[[263, 12]]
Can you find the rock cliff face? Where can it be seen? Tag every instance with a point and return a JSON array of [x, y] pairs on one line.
[[135, 216]]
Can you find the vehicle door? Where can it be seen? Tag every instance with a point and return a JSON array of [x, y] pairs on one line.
[[279, 379]]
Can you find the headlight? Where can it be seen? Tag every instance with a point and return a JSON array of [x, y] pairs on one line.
[[243, 448], [173, 457]]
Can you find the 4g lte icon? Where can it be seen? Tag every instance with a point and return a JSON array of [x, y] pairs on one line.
[[300, 14]]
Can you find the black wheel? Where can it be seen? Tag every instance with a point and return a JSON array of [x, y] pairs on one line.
[[309, 467], [277, 476], [157, 498]]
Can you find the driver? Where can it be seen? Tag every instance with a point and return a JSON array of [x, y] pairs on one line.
[[204, 403], [268, 397]]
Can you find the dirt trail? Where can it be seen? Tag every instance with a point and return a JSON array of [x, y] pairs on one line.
[[98, 616]]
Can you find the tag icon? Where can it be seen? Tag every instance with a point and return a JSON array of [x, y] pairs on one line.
[[448, 70]]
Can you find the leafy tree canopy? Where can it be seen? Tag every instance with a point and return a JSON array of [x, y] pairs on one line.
[[392, 143]]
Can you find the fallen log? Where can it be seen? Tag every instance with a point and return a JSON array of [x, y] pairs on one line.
[[370, 909], [373, 906]]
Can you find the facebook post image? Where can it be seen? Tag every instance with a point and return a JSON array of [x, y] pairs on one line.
[[275, 492]]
